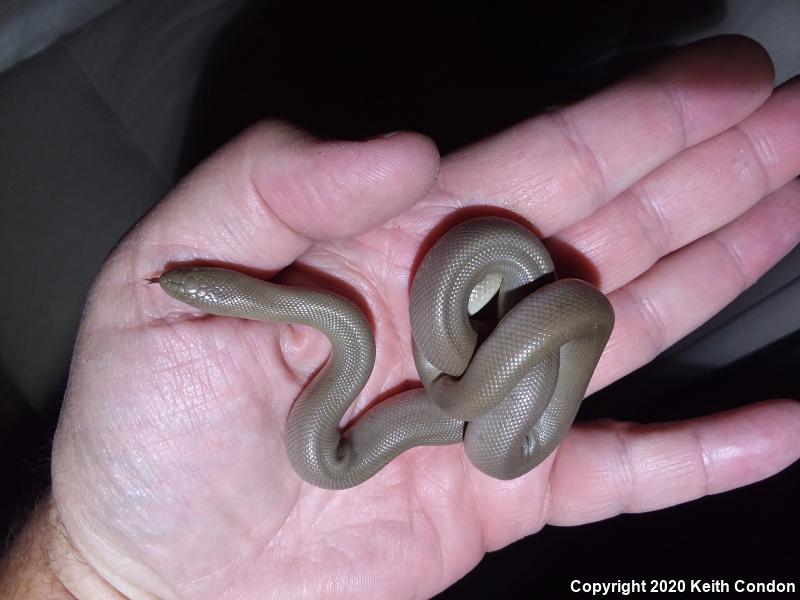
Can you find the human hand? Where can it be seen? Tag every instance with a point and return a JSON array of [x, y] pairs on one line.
[[169, 473]]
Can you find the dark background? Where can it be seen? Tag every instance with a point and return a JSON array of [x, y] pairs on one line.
[[458, 73]]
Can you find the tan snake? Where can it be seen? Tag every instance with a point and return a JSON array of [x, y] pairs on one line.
[[510, 401]]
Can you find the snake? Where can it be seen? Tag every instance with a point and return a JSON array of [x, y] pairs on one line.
[[504, 351]]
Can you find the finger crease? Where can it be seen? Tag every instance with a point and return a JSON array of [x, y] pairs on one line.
[[654, 327], [762, 153], [271, 214], [626, 480], [734, 256], [547, 502], [653, 223], [676, 105], [477, 508], [705, 459], [587, 163]]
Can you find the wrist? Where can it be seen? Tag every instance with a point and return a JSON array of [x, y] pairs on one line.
[[42, 563]]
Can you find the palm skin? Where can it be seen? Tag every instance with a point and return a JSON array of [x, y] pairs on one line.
[[169, 473]]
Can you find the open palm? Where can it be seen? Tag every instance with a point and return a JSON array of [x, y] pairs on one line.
[[169, 472]]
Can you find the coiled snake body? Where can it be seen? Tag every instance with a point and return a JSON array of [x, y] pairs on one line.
[[510, 401]]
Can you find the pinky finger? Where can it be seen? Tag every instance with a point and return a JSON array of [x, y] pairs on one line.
[[606, 468]]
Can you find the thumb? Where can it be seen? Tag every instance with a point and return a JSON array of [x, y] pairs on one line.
[[262, 199]]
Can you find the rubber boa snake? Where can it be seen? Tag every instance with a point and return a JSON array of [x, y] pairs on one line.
[[508, 389]]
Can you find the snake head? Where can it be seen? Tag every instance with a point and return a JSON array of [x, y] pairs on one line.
[[194, 286]]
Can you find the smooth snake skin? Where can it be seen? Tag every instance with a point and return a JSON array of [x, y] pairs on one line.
[[511, 401]]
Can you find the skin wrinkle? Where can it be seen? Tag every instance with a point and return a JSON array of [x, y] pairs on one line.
[[222, 407], [266, 362], [296, 520], [525, 195], [784, 203], [341, 266], [758, 158], [518, 514], [102, 564], [392, 264], [386, 328], [227, 572], [537, 192], [239, 562], [321, 193], [193, 424], [587, 163], [302, 241], [192, 376], [626, 474], [545, 512], [275, 534], [541, 183], [297, 344], [123, 513], [652, 221], [320, 555], [153, 486], [234, 233], [232, 528], [367, 184], [672, 464], [397, 248], [703, 463], [726, 266], [735, 259], [304, 345], [469, 475], [281, 187], [195, 244], [633, 247], [770, 152], [435, 537], [675, 101], [647, 312], [439, 202]]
